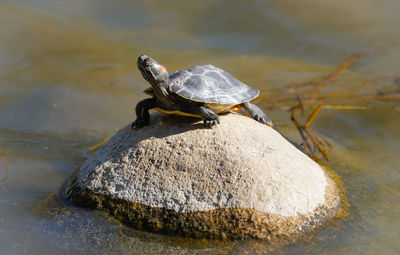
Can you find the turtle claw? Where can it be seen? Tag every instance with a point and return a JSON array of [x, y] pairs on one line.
[[211, 122], [263, 119], [257, 114], [139, 123]]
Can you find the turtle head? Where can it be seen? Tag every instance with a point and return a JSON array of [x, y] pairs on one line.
[[158, 76], [151, 70]]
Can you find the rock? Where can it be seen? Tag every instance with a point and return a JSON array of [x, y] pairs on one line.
[[240, 179]]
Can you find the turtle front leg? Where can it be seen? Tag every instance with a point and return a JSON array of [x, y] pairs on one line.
[[257, 113], [210, 118], [142, 112]]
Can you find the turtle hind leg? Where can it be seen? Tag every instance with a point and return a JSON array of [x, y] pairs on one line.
[[257, 113], [142, 112], [210, 118]]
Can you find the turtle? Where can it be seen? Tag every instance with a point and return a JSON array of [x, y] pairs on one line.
[[198, 91]]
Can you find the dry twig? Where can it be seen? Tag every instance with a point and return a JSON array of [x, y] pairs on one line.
[[310, 142], [314, 90], [5, 167]]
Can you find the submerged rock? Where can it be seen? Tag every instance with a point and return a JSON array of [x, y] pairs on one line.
[[240, 179]]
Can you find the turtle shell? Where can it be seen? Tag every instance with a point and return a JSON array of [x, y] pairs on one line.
[[210, 84]]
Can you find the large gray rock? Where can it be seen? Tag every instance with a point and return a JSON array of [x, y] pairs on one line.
[[240, 179]]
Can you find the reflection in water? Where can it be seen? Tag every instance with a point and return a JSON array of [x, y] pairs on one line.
[[68, 80], [80, 231]]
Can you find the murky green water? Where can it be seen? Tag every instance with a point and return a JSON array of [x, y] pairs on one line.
[[68, 80]]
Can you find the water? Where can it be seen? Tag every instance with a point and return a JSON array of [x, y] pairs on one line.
[[68, 80]]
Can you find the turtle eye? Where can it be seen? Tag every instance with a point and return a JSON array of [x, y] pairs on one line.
[[147, 62]]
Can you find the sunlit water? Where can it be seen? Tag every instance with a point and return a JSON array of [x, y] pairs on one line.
[[68, 80]]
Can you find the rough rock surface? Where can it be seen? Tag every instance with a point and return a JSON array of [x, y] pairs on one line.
[[240, 179]]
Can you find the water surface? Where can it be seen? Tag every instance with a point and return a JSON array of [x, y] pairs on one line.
[[68, 80]]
